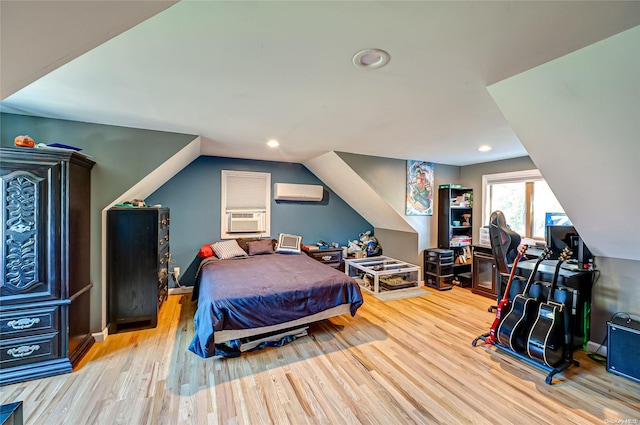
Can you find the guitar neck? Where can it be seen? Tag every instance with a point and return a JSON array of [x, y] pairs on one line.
[[543, 256], [521, 251], [554, 282]]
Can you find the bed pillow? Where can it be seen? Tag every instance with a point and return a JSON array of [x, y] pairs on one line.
[[243, 243], [263, 246], [228, 249], [206, 251], [288, 244]]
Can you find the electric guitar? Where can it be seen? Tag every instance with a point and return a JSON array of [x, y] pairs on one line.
[[546, 341], [515, 326], [503, 305]]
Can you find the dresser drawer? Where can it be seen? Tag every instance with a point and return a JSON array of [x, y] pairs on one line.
[[330, 257], [28, 321], [26, 350]]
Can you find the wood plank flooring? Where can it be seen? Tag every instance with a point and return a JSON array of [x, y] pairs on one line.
[[401, 362]]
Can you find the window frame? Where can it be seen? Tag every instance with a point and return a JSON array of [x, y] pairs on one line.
[[265, 208], [524, 176]]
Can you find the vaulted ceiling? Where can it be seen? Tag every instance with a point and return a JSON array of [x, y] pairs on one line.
[[239, 73], [555, 80]]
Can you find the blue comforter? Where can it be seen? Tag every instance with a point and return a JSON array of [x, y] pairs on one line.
[[265, 290]]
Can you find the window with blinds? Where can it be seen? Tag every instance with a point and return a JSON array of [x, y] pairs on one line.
[[245, 204]]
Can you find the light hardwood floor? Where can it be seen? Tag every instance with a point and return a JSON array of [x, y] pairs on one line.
[[401, 362]]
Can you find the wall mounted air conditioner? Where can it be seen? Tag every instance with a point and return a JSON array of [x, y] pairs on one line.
[[246, 222], [297, 192]]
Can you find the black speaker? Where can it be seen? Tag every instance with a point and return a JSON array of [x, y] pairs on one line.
[[623, 348]]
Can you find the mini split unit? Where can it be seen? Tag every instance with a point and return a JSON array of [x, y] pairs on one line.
[[297, 192]]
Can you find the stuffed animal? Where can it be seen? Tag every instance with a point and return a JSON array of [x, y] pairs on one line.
[[365, 243]]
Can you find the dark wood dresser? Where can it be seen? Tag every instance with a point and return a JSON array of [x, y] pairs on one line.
[[45, 287], [329, 256], [137, 266]]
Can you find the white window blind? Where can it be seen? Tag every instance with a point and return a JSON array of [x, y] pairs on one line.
[[245, 193]]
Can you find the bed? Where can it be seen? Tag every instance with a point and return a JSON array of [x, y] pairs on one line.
[[250, 296]]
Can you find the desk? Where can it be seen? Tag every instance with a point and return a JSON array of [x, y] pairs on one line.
[[579, 281]]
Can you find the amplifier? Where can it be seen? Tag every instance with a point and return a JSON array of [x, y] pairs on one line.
[[623, 348]]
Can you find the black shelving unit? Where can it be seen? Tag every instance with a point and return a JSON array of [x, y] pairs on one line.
[[455, 216], [438, 268]]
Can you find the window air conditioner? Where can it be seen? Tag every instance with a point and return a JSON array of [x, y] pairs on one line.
[[246, 222]]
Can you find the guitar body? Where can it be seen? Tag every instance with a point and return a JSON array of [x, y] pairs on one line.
[[504, 303], [513, 330], [546, 339], [516, 325]]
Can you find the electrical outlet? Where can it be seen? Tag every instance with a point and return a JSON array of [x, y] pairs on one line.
[[176, 272]]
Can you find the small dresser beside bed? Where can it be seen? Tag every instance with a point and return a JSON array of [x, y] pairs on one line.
[[266, 293]]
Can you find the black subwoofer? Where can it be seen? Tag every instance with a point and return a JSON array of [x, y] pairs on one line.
[[623, 347]]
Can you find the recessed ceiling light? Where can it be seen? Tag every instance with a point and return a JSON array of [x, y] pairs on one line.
[[371, 58], [273, 143], [485, 148]]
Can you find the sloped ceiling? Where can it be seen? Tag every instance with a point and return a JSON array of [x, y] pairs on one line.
[[579, 118], [37, 37], [240, 72]]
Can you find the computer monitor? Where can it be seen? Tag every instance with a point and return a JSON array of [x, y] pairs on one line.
[[560, 237]]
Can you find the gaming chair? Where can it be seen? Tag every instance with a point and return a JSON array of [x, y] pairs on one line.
[[504, 244], [504, 241]]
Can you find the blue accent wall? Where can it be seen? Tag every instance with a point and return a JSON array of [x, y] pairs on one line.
[[193, 195]]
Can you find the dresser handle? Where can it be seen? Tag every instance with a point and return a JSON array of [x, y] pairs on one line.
[[23, 323], [23, 350], [326, 257]]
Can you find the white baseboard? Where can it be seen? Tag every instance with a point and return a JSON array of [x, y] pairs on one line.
[[597, 348], [101, 336], [181, 290]]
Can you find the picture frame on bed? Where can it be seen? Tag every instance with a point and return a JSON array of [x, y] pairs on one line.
[[288, 244]]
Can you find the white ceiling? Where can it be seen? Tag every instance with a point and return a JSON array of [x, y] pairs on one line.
[[239, 73]]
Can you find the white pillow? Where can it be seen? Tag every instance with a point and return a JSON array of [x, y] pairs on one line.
[[288, 244], [228, 249]]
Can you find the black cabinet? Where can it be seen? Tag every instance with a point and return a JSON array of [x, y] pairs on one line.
[[486, 277], [45, 295], [137, 266]]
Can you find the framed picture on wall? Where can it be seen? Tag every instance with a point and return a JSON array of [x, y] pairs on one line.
[[419, 188]]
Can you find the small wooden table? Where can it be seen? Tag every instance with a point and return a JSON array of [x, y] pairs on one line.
[[376, 274]]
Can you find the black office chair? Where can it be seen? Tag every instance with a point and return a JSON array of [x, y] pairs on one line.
[[504, 245]]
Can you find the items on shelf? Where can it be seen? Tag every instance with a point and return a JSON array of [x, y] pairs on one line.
[[461, 240]]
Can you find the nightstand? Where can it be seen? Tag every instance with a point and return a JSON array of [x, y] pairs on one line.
[[329, 256]]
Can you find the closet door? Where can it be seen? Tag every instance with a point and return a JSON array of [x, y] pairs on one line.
[[30, 243]]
